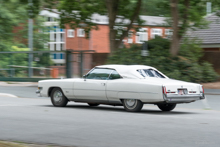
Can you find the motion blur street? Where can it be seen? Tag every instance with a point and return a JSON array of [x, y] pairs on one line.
[[132, 52], [28, 118]]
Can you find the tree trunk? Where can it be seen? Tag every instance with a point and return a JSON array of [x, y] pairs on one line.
[[112, 7], [175, 43], [178, 31]]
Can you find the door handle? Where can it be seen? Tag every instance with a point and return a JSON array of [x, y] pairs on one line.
[[103, 84]]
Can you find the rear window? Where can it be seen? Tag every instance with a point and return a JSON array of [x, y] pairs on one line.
[[150, 73]]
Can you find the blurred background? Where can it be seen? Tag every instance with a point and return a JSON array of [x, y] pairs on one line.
[[42, 39]]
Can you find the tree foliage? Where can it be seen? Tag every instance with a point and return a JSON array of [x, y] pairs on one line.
[[153, 8], [187, 67], [185, 15], [14, 31], [9, 17], [121, 13]]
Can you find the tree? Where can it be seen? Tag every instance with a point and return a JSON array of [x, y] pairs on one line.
[[40, 39], [152, 8], [78, 12], [13, 31], [186, 15], [9, 18]]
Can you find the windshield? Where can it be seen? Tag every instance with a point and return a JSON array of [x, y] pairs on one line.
[[150, 73]]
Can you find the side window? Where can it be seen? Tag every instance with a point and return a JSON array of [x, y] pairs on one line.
[[114, 75], [99, 74]]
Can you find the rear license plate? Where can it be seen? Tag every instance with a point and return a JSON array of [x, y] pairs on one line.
[[182, 91]]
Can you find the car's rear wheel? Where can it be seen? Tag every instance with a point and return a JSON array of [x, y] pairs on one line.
[[166, 107], [132, 105], [58, 99], [93, 104]]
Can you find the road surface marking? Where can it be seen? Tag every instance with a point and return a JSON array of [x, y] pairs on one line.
[[7, 95]]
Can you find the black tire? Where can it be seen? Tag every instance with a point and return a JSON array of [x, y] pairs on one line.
[[58, 99], [93, 104], [166, 107], [132, 105]]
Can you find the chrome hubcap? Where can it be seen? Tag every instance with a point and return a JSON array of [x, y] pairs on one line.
[[130, 102], [57, 96]]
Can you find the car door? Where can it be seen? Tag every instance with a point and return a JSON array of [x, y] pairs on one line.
[[113, 86], [93, 86]]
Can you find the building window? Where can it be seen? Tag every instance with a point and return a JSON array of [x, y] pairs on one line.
[[50, 19], [70, 33], [55, 28], [80, 33], [142, 35], [51, 36], [58, 56], [62, 56], [61, 37], [156, 32], [61, 46], [168, 33], [55, 36], [54, 56], [51, 47]]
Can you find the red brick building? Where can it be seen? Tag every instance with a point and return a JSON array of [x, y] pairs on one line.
[[98, 39]]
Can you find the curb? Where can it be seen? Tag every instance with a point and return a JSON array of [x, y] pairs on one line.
[[212, 93], [7, 95]]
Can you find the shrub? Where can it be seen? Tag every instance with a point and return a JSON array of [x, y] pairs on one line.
[[185, 67]]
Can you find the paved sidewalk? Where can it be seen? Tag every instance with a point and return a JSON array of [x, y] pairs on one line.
[[17, 144], [27, 84], [212, 91]]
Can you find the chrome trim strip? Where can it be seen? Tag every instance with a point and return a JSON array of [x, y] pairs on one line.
[[116, 91]]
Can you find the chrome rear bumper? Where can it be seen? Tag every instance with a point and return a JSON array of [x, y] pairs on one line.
[[183, 98]]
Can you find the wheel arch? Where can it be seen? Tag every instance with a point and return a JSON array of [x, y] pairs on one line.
[[51, 89]]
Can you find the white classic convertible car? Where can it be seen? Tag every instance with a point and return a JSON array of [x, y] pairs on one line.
[[127, 85]]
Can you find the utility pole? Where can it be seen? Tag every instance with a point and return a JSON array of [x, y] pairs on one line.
[[30, 38]]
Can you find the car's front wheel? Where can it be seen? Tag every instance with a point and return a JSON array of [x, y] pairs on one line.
[[166, 107], [132, 105], [58, 99]]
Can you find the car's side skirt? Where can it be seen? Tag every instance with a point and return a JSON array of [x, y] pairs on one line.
[[98, 101]]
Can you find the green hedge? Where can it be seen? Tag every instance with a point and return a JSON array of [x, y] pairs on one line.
[[187, 66]]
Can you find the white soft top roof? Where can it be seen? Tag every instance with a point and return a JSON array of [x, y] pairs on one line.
[[127, 71]]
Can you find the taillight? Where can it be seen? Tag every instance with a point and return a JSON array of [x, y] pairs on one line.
[[164, 90], [203, 89]]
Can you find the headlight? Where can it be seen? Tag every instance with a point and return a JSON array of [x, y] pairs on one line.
[[40, 88]]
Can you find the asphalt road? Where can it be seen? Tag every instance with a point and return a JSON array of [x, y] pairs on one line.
[[37, 121], [20, 91]]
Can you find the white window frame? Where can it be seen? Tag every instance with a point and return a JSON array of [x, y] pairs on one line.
[[155, 32], [80, 32], [70, 33], [142, 34]]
